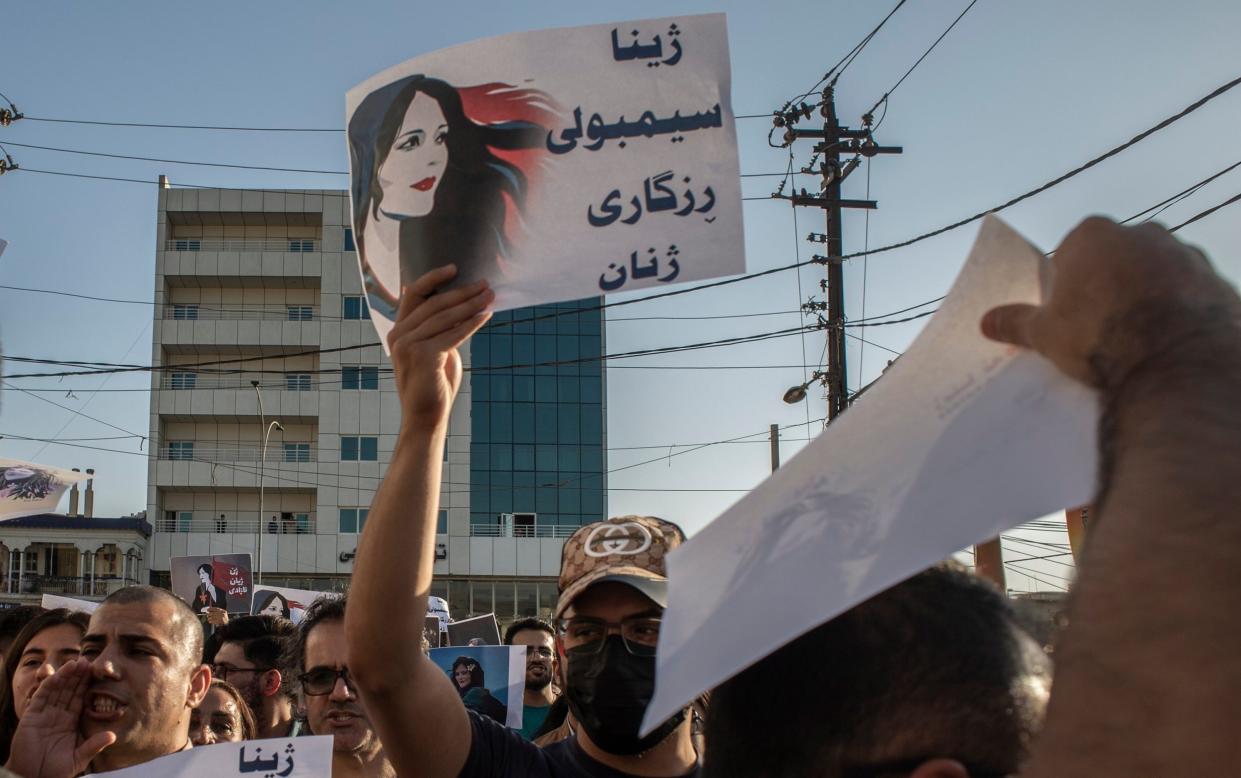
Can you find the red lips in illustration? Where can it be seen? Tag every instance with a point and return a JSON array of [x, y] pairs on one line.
[[425, 184]]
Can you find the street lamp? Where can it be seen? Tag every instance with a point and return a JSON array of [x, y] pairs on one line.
[[796, 394], [267, 428]]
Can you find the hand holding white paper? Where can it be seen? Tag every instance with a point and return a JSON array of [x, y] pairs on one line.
[[302, 757], [557, 164], [961, 440]]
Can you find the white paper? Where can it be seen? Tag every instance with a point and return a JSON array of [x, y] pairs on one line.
[[299, 757], [626, 163], [962, 439], [28, 489], [51, 601]]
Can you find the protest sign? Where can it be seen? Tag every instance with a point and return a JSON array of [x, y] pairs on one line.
[[27, 489], [220, 581], [962, 439], [557, 164], [478, 631], [431, 631], [51, 601], [287, 603], [490, 679], [301, 757]]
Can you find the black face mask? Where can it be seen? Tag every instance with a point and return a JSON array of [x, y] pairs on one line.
[[608, 693]]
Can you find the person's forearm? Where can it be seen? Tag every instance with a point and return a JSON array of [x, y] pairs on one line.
[[396, 556], [1147, 679]]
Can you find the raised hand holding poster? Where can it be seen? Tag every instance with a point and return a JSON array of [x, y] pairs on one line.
[[557, 164], [27, 489]]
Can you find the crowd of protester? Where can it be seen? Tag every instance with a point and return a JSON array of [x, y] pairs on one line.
[[933, 678]]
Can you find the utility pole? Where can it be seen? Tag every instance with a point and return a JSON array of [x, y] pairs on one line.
[[835, 141], [774, 434]]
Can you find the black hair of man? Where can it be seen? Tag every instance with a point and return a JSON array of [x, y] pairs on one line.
[[525, 624], [326, 608], [265, 642], [11, 622], [186, 631], [937, 666]]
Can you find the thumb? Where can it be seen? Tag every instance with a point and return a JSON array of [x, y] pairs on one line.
[[1011, 324], [84, 754]]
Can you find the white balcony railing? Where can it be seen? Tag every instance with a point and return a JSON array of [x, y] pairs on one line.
[[237, 312], [281, 524], [291, 382], [294, 245], [520, 531], [276, 452]]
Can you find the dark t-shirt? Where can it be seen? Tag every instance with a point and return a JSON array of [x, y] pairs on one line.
[[498, 752]]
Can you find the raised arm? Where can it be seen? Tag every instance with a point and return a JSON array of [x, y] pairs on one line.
[[412, 704], [1147, 676]]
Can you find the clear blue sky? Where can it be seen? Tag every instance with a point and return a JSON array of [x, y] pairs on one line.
[[1017, 94]]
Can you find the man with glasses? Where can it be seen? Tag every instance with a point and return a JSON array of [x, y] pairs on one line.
[[541, 692], [332, 704], [613, 588], [253, 656]]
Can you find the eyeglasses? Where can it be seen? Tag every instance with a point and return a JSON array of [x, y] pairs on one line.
[[322, 680], [586, 635], [223, 671]]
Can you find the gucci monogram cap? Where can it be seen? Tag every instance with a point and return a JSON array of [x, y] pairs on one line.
[[626, 549]]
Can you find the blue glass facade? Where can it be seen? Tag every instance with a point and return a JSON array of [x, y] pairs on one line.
[[538, 440]]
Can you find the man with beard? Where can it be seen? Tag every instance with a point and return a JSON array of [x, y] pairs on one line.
[[613, 588], [332, 704], [252, 657], [540, 641], [127, 700]]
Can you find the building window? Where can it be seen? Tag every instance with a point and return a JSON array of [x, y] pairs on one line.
[[349, 244], [359, 377], [301, 245], [355, 307], [353, 519], [363, 448], [181, 449], [183, 380], [187, 245], [296, 452], [185, 312], [301, 313], [441, 522], [297, 382], [177, 521]]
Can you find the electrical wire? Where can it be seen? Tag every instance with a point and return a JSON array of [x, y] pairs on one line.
[[914, 67]]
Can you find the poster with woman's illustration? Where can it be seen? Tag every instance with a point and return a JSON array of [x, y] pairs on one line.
[[286, 603], [221, 581], [557, 164], [490, 679], [27, 489]]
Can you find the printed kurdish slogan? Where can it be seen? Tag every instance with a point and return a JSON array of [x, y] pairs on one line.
[[557, 164]]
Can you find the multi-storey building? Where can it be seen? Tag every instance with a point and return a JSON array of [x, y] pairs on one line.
[[273, 418]]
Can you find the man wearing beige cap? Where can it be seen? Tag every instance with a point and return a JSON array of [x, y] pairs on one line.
[[613, 586]]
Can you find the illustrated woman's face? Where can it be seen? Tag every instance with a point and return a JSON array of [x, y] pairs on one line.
[[272, 608], [204, 576], [415, 164], [462, 676]]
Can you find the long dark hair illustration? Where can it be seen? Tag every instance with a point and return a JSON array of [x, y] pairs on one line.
[[451, 166], [26, 483]]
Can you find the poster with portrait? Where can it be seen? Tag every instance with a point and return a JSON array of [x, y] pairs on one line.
[[557, 164], [479, 631], [28, 489], [220, 581], [286, 603], [490, 679]]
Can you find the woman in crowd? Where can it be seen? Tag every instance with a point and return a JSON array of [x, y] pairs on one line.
[[47, 642], [223, 717], [467, 674]]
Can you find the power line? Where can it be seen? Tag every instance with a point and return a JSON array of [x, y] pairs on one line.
[[1206, 213], [914, 67], [1162, 205], [857, 49]]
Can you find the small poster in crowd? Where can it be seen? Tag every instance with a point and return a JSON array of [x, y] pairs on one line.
[[962, 439], [52, 601], [431, 631], [557, 164], [478, 631], [27, 489], [220, 581], [302, 757], [490, 679], [286, 603]]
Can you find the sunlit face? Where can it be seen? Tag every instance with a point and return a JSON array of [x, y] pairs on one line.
[[462, 676], [339, 713], [416, 162], [216, 720], [47, 650], [540, 657]]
